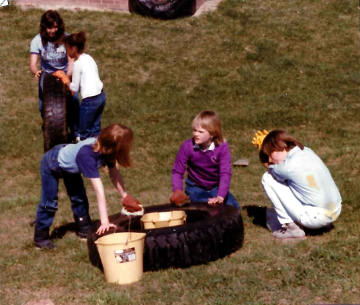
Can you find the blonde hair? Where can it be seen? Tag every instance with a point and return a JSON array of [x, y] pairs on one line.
[[115, 143], [209, 120]]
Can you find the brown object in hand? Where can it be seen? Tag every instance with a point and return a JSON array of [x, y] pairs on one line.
[[179, 198], [62, 76], [131, 204]]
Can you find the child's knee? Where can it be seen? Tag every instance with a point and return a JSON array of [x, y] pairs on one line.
[[49, 207], [266, 179]]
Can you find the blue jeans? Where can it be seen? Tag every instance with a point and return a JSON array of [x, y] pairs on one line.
[[73, 108], [198, 194], [91, 109], [50, 173]]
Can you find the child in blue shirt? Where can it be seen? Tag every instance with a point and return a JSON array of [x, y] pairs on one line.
[[48, 45], [70, 161]]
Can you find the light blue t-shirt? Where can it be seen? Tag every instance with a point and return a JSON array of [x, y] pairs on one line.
[[309, 179], [67, 155], [52, 58]]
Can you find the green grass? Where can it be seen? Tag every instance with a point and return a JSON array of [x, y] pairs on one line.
[[259, 64]]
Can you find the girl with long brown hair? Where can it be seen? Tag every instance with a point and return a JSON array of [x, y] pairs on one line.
[[48, 46], [70, 161]]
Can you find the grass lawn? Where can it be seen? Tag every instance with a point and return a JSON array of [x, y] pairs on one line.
[[289, 64]]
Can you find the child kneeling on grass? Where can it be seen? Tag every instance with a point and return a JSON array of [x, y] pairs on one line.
[[69, 161], [299, 186], [206, 157]]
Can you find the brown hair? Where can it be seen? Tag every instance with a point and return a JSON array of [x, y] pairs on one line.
[[209, 120], [48, 19], [277, 140], [77, 40], [115, 143]]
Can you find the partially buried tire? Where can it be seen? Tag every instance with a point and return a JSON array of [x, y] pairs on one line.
[[54, 112], [163, 9], [210, 233]]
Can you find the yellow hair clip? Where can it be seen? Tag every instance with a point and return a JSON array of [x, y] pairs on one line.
[[259, 138]]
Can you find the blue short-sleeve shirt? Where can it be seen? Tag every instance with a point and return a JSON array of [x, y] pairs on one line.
[[81, 158], [52, 57]]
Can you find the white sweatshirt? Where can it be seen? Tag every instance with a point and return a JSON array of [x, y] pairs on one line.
[[86, 77]]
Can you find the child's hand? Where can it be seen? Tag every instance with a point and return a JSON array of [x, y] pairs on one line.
[[216, 200], [179, 198], [63, 77], [105, 227], [38, 74], [130, 204], [266, 165]]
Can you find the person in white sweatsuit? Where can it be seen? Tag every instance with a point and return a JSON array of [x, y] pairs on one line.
[[299, 186]]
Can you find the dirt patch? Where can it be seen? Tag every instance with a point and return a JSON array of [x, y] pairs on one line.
[[207, 6]]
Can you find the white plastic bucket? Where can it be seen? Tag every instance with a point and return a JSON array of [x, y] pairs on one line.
[[122, 256]]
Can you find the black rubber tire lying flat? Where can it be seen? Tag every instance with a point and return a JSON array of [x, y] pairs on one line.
[[54, 113], [210, 233], [163, 9]]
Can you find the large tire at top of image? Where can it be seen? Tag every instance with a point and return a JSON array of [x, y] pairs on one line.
[[163, 9], [210, 233], [54, 112]]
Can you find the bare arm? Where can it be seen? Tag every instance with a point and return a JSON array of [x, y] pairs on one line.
[[117, 181], [100, 195], [34, 58], [70, 66]]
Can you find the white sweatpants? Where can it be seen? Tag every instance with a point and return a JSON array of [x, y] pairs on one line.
[[289, 209]]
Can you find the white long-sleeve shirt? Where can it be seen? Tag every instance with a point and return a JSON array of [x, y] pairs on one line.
[[86, 77], [309, 179]]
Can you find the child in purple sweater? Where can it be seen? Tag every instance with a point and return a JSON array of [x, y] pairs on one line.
[[207, 160]]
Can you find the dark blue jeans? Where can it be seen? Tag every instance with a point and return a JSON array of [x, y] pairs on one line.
[[73, 108], [51, 172], [91, 109], [198, 194]]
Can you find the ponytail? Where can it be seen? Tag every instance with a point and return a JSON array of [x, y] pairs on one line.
[[77, 40]]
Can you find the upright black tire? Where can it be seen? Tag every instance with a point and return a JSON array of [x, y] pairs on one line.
[[210, 233], [163, 9], [54, 112]]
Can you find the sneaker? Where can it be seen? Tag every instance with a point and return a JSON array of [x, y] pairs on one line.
[[289, 231], [44, 244], [77, 140]]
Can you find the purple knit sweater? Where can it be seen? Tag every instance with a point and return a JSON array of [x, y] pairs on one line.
[[206, 169]]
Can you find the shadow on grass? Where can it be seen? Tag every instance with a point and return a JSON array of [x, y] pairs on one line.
[[60, 232], [258, 213]]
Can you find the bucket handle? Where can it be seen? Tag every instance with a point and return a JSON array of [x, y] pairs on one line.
[[127, 238]]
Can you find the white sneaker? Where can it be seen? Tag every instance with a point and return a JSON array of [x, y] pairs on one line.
[[77, 140], [289, 231]]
